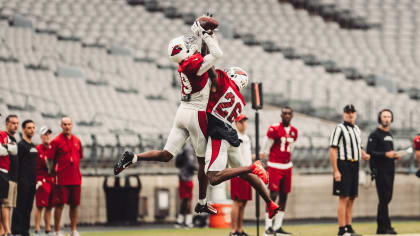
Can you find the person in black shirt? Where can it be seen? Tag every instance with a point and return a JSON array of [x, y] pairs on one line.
[[27, 154], [381, 148]]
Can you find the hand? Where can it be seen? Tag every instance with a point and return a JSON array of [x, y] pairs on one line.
[[213, 88], [337, 176], [199, 31], [398, 157], [391, 154], [365, 156], [373, 174], [38, 184]]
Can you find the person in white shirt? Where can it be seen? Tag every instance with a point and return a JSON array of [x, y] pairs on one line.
[[240, 189]]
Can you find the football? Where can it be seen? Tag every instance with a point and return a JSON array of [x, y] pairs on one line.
[[208, 23]]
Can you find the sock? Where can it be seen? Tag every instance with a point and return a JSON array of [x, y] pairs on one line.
[[134, 159], [268, 222], [202, 201], [180, 219], [47, 231], [278, 222], [188, 219]]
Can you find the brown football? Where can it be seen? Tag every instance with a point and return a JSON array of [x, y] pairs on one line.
[[208, 23]]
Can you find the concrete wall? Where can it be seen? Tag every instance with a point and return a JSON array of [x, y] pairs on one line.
[[310, 198]]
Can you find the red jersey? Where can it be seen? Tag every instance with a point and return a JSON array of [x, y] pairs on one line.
[[280, 151], [417, 143], [227, 102], [4, 160], [44, 153], [67, 153], [195, 89]]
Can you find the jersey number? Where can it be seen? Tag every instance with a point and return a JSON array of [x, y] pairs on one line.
[[186, 85], [223, 106], [289, 142]]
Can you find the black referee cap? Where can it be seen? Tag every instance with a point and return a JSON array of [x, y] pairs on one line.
[[349, 108]]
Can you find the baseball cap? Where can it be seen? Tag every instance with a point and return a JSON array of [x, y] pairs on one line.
[[241, 117], [44, 130], [349, 108]]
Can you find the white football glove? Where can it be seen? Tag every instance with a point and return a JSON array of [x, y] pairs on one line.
[[12, 148], [3, 151], [198, 30]]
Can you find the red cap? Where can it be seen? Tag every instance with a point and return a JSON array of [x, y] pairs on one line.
[[241, 117]]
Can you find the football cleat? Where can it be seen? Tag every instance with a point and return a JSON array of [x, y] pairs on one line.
[[272, 209], [258, 169], [280, 231], [205, 209], [269, 232], [125, 161]]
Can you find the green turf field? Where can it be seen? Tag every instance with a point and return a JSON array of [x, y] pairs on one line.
[[402, 227]]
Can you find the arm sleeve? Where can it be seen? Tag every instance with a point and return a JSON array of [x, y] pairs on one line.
[[371, 148], [335, 137], [214, 55], [268, 143]]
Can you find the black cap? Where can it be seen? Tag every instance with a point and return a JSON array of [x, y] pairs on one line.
[[349, 108]]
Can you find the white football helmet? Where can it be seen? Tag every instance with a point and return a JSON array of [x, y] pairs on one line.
[[238, 75], [182, 47]]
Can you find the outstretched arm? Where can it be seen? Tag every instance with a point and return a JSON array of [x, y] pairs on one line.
[[209, 38], [212, 71]]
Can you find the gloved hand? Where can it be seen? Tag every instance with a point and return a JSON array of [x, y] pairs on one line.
[[418, 173], [199, 31]]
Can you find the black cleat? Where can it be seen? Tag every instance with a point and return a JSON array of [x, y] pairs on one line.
[[243, 234], [205, 209], [125, 161], [282, 232], [269, 232], [351, 231]]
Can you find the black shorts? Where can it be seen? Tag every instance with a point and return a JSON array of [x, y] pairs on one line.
[[348, 186], [4, 185]]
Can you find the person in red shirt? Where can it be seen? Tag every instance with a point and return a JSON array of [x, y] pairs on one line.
[[67, 152], [417, 148], [44, 180], [4, 165], [279, 145]]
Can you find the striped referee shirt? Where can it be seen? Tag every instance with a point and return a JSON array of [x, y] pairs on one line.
[[347, 139]]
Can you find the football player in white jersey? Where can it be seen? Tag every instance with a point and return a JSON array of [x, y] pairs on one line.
[[190, 119]]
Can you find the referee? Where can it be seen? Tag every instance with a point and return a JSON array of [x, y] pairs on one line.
[[345, 153], [381, 147]]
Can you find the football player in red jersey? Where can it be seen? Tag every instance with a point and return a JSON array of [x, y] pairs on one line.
[[223, 108], [190, 119], [417, 149], [278, 145]]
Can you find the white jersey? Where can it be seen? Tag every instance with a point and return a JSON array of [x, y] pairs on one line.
[[245, 149], [198, 100]]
